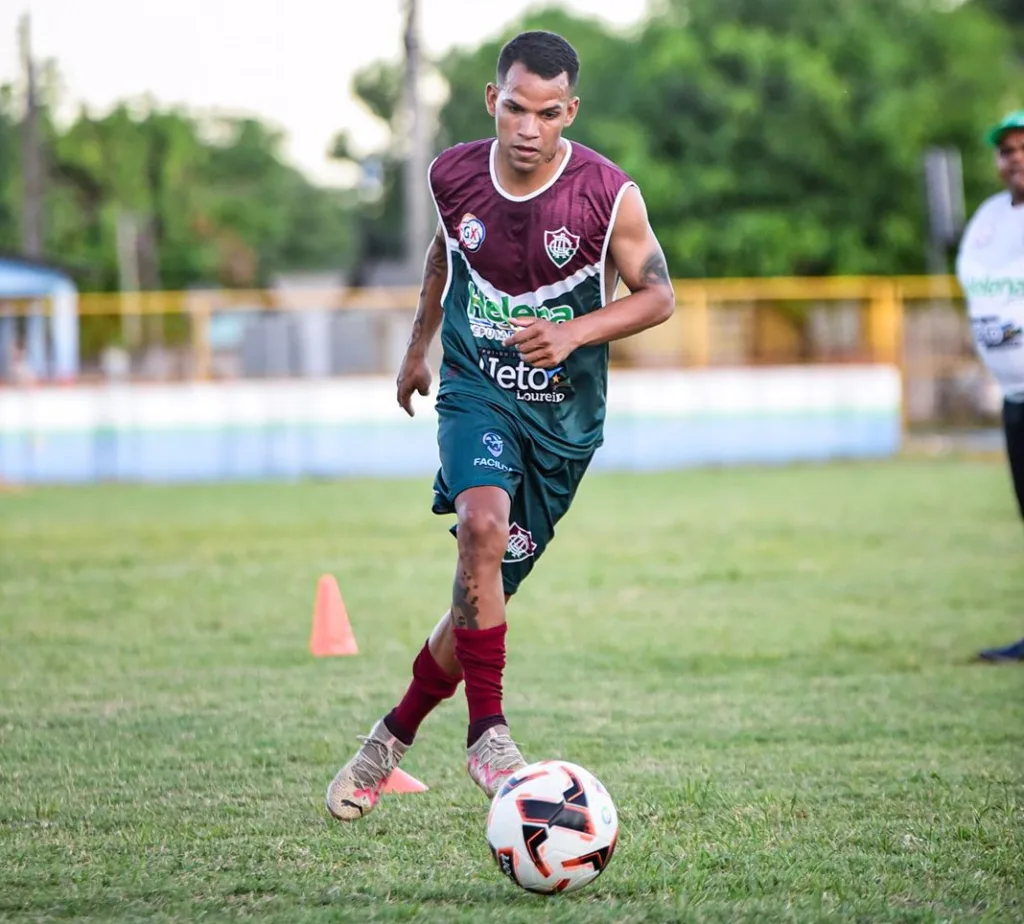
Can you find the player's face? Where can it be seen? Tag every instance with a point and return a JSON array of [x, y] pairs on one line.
[[529, 116], [1010, 160]]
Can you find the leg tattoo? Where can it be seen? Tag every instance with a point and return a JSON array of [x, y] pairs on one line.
[[465, 601]]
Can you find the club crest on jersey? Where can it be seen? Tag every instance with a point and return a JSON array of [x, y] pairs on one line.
[[561, 245], [471, 232]]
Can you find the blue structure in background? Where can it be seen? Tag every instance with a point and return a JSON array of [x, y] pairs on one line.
[[405, 449], [50, 353]]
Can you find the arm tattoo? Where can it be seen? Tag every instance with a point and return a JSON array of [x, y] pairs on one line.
[[417, 329], [437, 259], [437, 263], [465, 599], [654, 272], [436, 266]]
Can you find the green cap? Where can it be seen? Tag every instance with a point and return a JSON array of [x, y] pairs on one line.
[[1013, 119]]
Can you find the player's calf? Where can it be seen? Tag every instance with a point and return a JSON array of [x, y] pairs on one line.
[[482, 535]]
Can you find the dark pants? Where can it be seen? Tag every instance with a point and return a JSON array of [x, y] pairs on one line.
[[1013, 427]]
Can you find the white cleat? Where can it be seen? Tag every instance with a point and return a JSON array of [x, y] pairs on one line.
[[356, 789], [493, 758]]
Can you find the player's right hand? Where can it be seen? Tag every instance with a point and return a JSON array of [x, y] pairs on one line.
[[414, 375]]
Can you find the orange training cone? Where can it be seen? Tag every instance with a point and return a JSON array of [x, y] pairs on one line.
[[332, 633], [401, 782]]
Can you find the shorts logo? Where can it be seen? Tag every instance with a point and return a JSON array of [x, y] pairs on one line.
[[520, 544], [494, 443], [471, 232], [484, 462], [561, 245]]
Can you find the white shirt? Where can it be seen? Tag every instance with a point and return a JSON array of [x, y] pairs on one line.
[[990, 269]]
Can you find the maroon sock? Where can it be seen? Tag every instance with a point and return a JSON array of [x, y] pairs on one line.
[[430, 686], [481, 652]]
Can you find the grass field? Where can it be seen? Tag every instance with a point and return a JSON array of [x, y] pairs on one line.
[[770, 670]]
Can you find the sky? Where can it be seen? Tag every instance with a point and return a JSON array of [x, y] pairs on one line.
[[287, 61]]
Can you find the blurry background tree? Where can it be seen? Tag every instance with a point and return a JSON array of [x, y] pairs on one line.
[[1012, 13], [779, 138], [379, 221], [208, 202], [10, 176]]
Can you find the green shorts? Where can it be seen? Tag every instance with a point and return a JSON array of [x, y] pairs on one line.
[[479, 445]]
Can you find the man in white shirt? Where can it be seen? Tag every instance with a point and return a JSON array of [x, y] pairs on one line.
[[990, 268]]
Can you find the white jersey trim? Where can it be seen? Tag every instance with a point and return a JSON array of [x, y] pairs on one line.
[[608, 239], [533, 299], [533, 195], [440, 223]]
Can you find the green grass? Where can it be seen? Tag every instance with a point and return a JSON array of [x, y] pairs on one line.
[[770, 670]]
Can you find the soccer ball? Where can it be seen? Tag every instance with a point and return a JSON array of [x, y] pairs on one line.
[[552, 827]]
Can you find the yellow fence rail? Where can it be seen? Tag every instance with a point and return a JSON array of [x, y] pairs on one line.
[[914, 322], [884, 298]]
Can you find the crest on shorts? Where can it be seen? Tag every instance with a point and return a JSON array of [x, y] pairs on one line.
[[561, 245], [494, 443], [520, 544]]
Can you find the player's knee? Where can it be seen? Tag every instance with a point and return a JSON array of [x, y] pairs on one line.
[[482, 535]]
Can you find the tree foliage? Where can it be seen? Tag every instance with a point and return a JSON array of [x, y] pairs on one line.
[[768, 138], [214, 201], [777, 138]]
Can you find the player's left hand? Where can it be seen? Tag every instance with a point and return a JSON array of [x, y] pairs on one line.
[[542, 343]]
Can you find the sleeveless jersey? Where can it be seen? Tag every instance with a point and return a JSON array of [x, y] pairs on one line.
[[990, 269], [540, 255]]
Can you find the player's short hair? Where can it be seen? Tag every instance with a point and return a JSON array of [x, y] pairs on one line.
[[545, 54]]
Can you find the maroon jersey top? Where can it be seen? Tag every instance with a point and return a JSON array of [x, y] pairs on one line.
[[540, 255]]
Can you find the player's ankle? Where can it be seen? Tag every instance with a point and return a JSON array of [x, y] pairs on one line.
[[398, 730], [478, 727]]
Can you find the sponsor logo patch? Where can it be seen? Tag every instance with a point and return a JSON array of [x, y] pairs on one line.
[[511, 372], [489, 320], [993, 333], [471, 232]]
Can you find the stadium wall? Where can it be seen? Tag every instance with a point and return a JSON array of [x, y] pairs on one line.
[[352, 426]]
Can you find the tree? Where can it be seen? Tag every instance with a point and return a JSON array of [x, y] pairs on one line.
[[776, 138], [213, 202], [1011, 12], [10, 171]]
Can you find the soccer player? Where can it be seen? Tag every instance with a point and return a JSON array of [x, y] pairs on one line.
[[990, 267], [534, 234]]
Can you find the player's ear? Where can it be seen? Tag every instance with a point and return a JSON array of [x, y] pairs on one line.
[[491, 99], [571, 110]]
